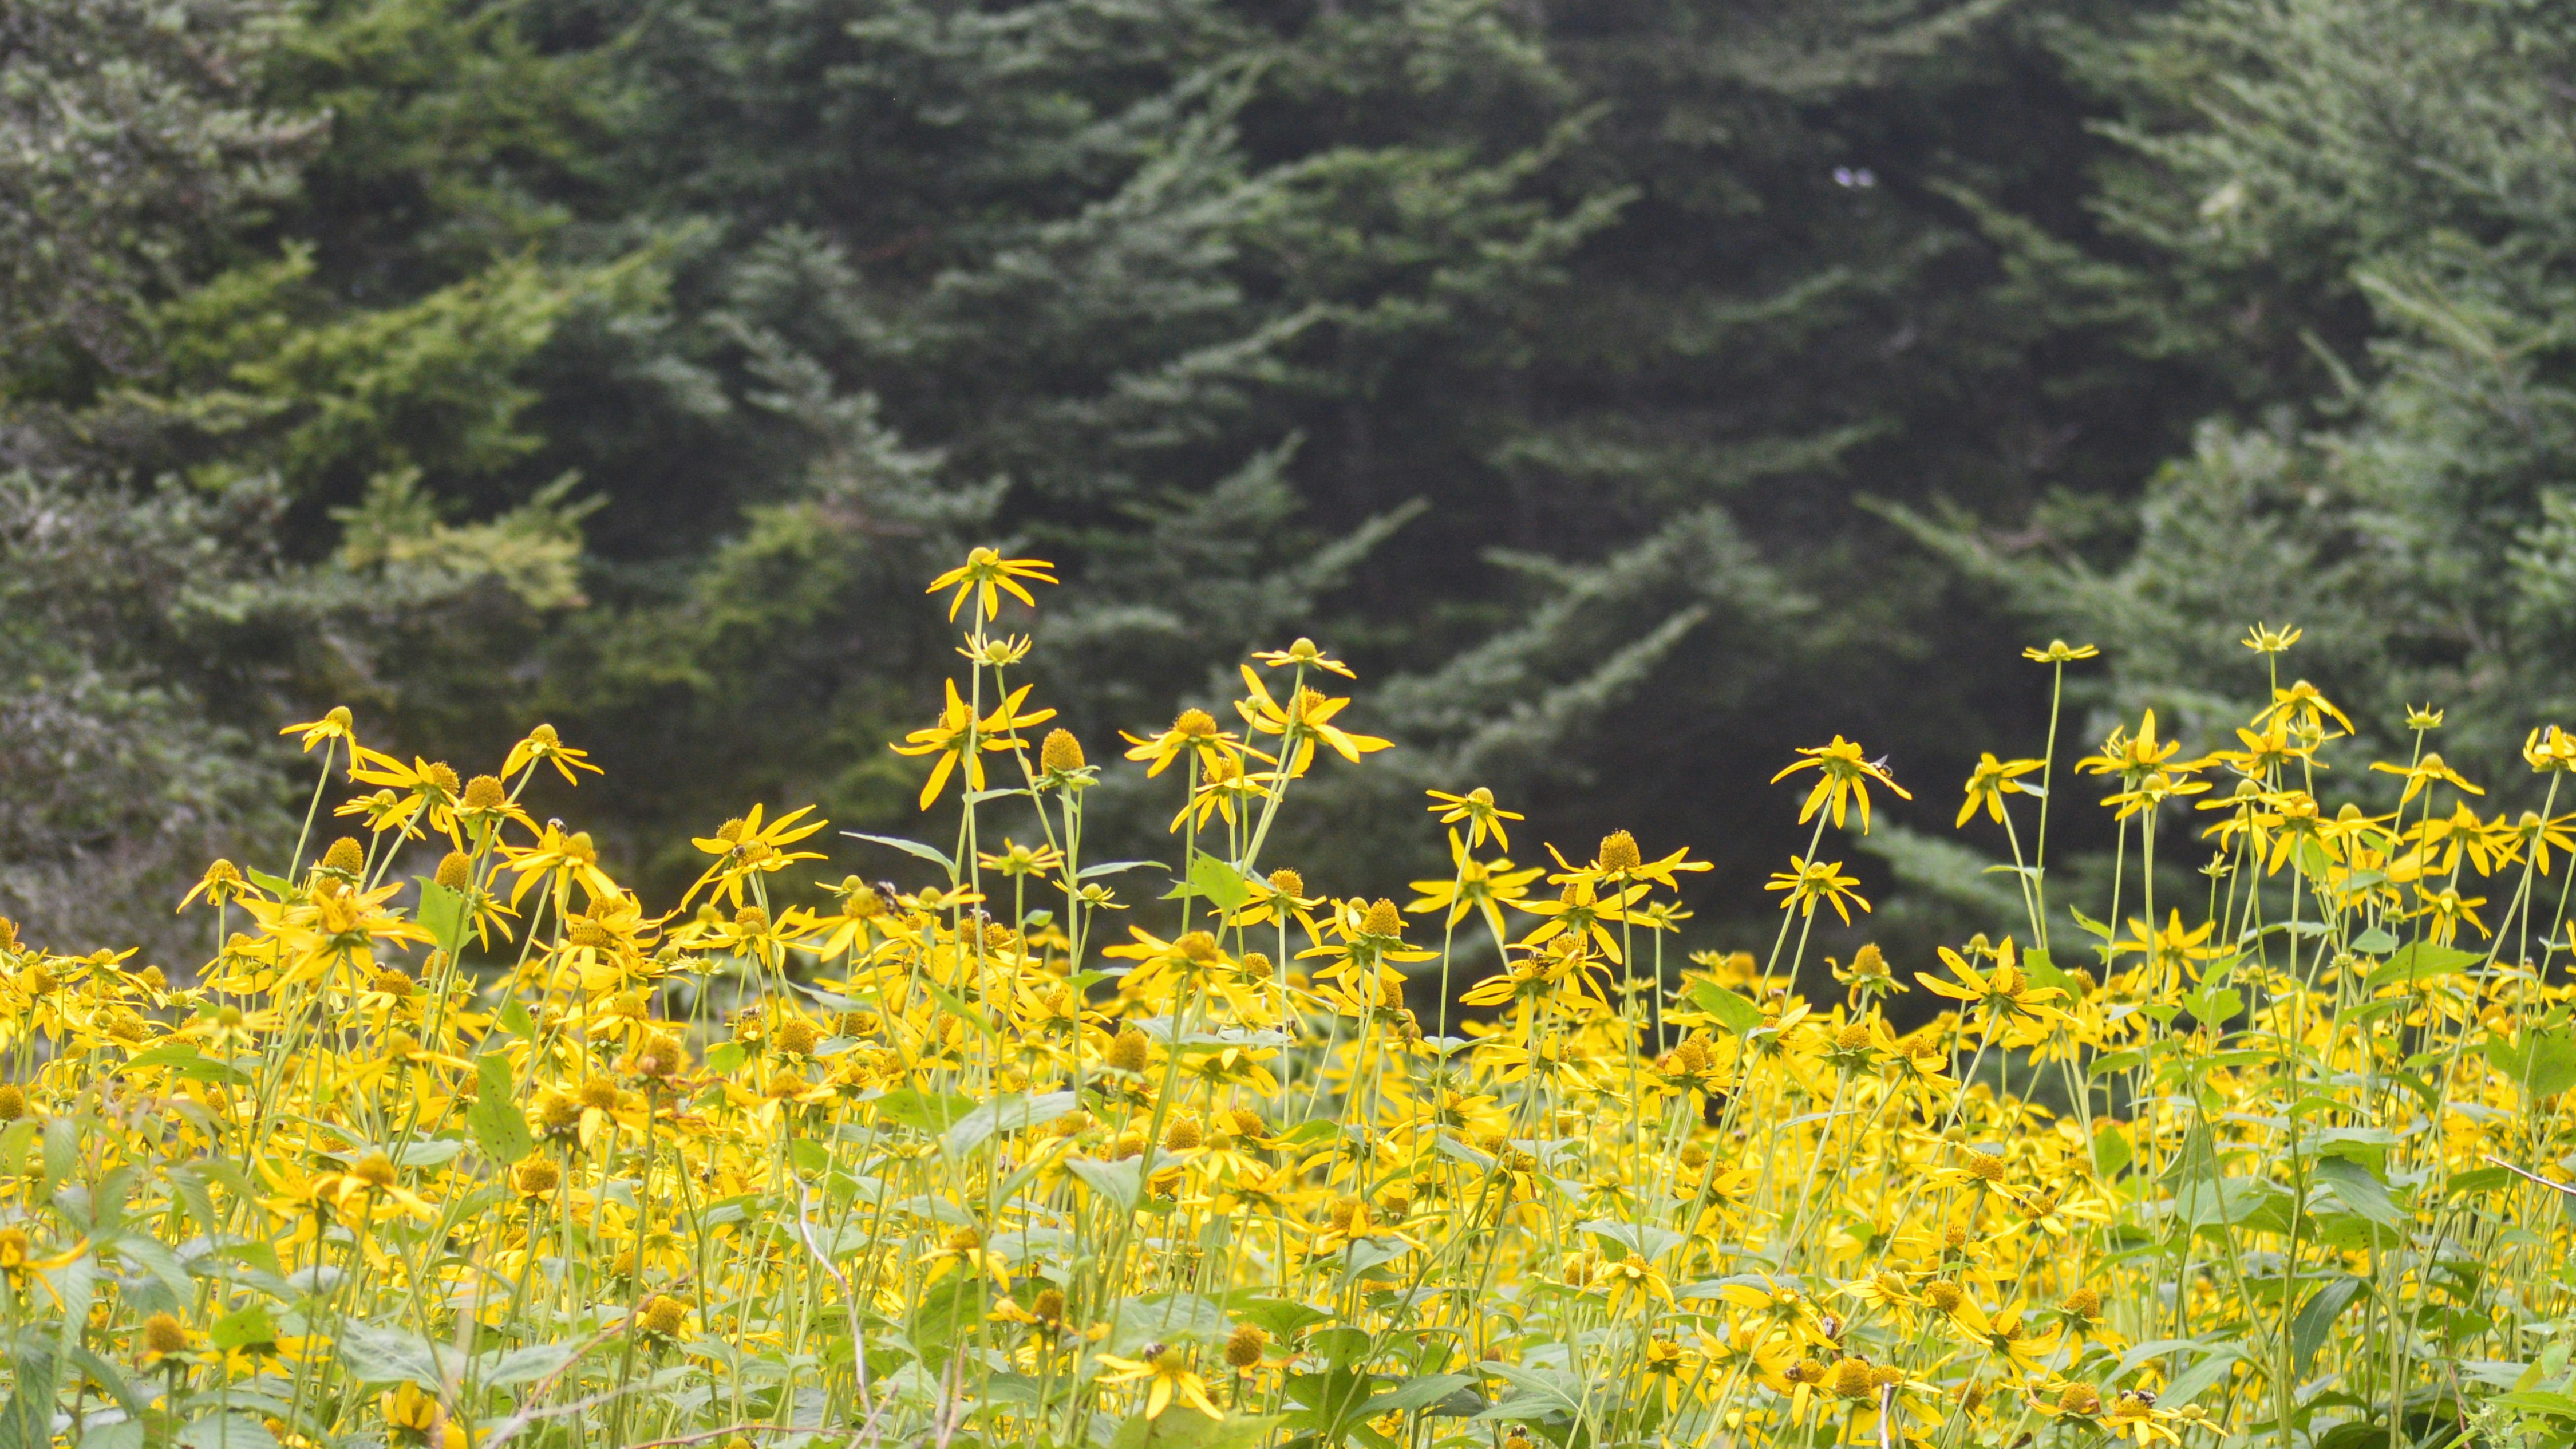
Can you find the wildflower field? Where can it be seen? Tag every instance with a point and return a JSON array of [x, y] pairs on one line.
[[1049, 1150]]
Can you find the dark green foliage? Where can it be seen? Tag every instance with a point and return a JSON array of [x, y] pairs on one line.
[[1589, 375]]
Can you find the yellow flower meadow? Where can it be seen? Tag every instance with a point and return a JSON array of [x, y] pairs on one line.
[[500, 1152]]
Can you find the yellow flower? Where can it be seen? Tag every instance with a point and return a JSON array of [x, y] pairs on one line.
[[2423, 772], [1165, 1371], [2270, 641], [1307, 718], [1844, 772], [1304, 654], [958, 738], [2059, 652], [1479, 885], [1991, 781], [1809, 881], [543, 744], [986, 571], [1478, 809]]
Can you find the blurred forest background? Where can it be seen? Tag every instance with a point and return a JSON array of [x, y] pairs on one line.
[[1634, 390]]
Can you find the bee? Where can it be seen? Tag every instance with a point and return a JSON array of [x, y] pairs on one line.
[[1885, 766]]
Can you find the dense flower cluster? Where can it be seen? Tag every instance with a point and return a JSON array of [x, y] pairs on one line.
[[497, 1152]]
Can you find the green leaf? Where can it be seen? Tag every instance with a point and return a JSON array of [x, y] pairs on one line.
[[27, 1422], [1220, 882], [500, 1128], [1120, 1182], [2541, 1063], [2213, 1006], [1732, 1011], [2357, 1188], [243, 1328], [2374, 942], [1182, 1427], [377, 1355], [1113, 867], [527, 1365], [2316, 1318], [227, 1431], [2111, 1150], [1283, 1319], [1006, 1114], [442, 912], [905, 1107], [1422, 1393], [516, 1021], [1537, 1393], [183, 1059], [909, 847], [2539, 1401], [2188, 1384], [2421, 961], [2042, 970], [950, 1310]]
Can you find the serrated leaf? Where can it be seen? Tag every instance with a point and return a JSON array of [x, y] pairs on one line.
[[27, 1421]]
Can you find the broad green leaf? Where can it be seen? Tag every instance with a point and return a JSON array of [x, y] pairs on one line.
[[2111, 1150], [1220, 882], [243, 1328], [227, 1431], [376, 1355], [1732, 1011], [500, 1128], [2316, 1319], [1283, 1319], [2542, 1062], [905, 1107], [2357, 1188], [2041, 968], [1006, 1114], [2421, 961], [2189, 1384], [2213, 1006], [1182, 1427], [1537, 1393], [183, 1059], [516, 1021], [527, 1365], [27, 1421], [1413, 1394], [442, 913], [1120, 1182]]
